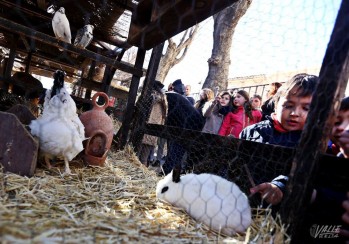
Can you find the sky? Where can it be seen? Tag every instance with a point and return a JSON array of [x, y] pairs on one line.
[[272, 36]]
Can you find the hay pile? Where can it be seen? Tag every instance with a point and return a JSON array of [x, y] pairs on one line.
[[114, 204]]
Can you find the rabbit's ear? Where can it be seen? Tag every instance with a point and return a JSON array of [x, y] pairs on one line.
[[176, 173]]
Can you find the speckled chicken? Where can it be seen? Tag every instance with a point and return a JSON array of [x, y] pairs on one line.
[[84, 36], [59, 129]]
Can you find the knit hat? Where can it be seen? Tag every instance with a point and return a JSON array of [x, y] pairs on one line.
[[158, 85], [178, 86], [177, 82]]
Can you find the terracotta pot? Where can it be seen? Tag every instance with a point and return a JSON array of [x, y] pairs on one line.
[[95, 149], [97, 120], [95, 161]]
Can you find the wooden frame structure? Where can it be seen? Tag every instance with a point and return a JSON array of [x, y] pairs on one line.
[[307, 166], [150, 26]]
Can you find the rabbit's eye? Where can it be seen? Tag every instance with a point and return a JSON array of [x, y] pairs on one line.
[[164, 189]]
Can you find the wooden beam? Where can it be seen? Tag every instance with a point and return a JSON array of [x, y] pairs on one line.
[[88, 93], [91, 70], [168, 19], [20, 29], [97, 86], [12, 56], [118, 93], [25, 42], [89, 77], [90, 84], [258, 156], [107, 77], [27, 9], [40, 55], [142, 105], [121, 137], [29, 59], [47, 71], [42, 4]]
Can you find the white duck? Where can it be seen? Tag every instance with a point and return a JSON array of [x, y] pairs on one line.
[[60, 25], [59, 129]]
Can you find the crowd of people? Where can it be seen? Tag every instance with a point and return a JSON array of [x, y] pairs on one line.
[[222, 114], [279, 121]]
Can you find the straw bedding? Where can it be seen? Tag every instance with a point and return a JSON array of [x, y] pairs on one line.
[[111, 204]]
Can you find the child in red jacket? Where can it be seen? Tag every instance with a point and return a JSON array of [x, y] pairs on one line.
[[242, 116]]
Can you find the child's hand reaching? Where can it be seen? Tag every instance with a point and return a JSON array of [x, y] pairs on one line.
[[269, 192], [343, 142]]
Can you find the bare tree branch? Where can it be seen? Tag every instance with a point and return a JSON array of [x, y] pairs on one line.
[[175, 53]]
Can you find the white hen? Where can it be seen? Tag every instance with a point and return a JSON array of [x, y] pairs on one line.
[[60, 25], [59, 129]]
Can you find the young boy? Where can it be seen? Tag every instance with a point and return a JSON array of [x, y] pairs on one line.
[[285, 125], [328, 206], [340, 130]]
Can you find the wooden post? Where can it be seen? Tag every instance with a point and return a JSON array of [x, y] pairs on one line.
[[10, 62], [88, 94], [333, 79], [143, 108], [89, 77], [107, 78], [121, 137], [11, 59], [109, 73], [3, 83], [29, 59], [91, 70]]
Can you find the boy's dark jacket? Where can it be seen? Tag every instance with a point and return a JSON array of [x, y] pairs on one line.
[[327, 208], [265, 132]]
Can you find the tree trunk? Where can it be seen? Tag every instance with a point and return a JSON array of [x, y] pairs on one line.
[[175, 53], [224, 27]]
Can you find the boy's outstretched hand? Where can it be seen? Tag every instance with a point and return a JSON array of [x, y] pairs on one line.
[[343, 142], [269, 192]]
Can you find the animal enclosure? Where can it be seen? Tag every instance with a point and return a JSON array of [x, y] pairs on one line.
[[269, 44], [251, 163]]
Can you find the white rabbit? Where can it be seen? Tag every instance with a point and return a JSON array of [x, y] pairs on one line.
[[211, 199]]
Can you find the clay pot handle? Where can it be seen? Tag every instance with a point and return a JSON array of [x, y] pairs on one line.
[[94, 98]]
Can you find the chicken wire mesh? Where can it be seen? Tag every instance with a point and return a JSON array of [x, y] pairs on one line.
[[287, 38], [295, 50]]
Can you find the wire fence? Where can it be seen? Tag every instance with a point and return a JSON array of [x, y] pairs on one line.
[[247, 163], [214, 151]]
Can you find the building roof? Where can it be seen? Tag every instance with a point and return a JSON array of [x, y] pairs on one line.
[[262, 79], [25, 26]]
